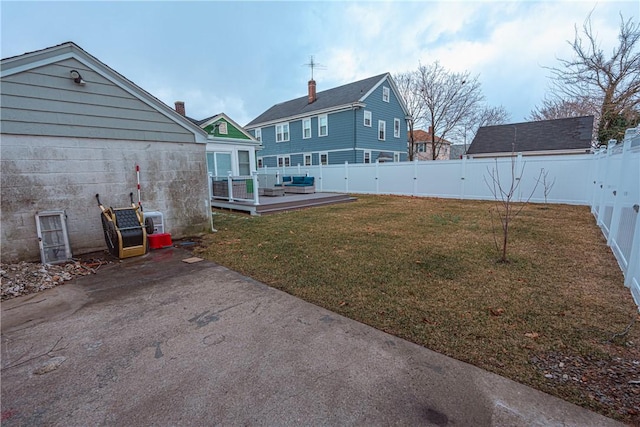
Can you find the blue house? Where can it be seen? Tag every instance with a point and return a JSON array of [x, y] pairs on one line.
[[360, 122]]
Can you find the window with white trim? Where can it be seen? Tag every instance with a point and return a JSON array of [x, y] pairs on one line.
[[385, 94], [323, 125], [222, 128], [396, 157], [306, 128], [282, 132], [396, 128], [367, 118], [284, 161], [324, 158], [367, 156], [307, 159], [382, 128], [258, 134], [244, 164]]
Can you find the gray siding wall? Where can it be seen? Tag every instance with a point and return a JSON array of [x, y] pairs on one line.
[[51, 173], [46, 102]]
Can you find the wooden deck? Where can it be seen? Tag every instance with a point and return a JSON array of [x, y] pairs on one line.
[[288, 202]]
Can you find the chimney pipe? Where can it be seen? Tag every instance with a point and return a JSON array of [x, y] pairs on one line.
[[312, 91], [180, 108]]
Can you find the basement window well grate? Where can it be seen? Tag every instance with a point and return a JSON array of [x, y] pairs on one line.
[[53, 237]]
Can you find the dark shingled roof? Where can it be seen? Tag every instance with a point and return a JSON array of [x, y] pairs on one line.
[[561, 134], [341, 95]]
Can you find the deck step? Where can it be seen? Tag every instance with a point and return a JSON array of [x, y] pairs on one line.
[[270, 205], [290, 206]]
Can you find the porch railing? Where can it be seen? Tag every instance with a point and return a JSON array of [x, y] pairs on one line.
[[235, 188]]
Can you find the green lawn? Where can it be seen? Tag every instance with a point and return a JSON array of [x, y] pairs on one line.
[[425, 270]]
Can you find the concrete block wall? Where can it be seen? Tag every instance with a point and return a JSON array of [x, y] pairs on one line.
[[52, 173]]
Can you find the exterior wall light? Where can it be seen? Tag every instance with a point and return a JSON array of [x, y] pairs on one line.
[[77, 78]]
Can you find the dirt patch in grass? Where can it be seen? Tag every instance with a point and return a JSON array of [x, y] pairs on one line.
[[425, 270]]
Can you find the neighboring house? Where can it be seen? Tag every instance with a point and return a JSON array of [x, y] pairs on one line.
[[423, 148], [229, 147], [72, 127], [548, 137], [360, 122], [458, 151]]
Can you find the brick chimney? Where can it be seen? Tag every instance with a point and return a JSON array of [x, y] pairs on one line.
[[180, 108], [312, 91], [430, 127]]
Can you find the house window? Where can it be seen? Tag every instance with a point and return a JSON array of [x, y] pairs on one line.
[[307, 159], [260, 162], [324, 158], [244, 165], [396, 128], [282, 132], [306, 128], [284, 161], [396, 157], [258, 134], [219, 164], [367, 156], [385, 94], [367, 118], [382, 127], [323, 125], [421, 148], [222, 128]]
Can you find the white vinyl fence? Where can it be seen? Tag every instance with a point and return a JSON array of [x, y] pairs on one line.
[[608, 181], [616, 202], [458, 179]]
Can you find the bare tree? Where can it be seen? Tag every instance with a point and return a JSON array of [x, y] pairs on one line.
[[557, 108], [407, 84], [610, 83], [504, 196], [448, 98], [547, 184], [484, 115]]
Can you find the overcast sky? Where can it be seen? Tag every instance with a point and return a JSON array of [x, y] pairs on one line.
[[240, 58]]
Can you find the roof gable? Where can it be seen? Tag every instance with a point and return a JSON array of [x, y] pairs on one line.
[[235, 132], [573, 133], [69, 50], [420, 135], [326, 101]]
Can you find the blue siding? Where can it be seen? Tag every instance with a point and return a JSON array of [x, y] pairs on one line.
[[346, 133], [367, 137]]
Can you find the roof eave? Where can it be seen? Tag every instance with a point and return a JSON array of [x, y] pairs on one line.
[[336, 109], [71, 50]]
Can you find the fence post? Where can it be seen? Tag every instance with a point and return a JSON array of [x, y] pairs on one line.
[[299, 170], [256, 199], [320, 177], [597, 159], [462, 175], [603, 184], [346, 176], [618, 190], [519, 172], [415, 177], [230, 186], [377, 177]]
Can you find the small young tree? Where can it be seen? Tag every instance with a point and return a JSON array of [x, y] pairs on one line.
[[547, 184], [505, 198]]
